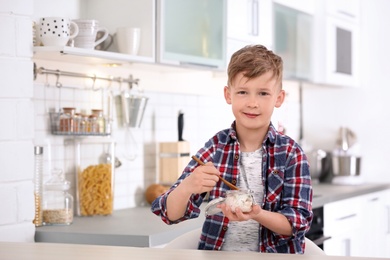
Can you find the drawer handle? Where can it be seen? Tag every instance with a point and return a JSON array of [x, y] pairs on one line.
[[346, 217]]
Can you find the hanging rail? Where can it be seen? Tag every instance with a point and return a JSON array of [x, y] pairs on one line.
[[59, 73]]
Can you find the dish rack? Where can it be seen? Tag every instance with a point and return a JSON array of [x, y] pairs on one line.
[[63, 124]]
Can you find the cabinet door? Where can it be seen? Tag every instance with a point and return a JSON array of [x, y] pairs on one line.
[[113, 14], [342, 57], [344, 9], [293, 41], [243, 20], [192, 32], [343, 223]]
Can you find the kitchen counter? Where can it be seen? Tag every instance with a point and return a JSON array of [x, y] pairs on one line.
[[139, 227], [39, 251], [42, 251]]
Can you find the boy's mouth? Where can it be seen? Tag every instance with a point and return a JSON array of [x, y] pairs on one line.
[[250, 115]]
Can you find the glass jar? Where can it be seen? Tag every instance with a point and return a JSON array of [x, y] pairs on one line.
[[57, 206], [100, 121], [94, 176], [67, 119]]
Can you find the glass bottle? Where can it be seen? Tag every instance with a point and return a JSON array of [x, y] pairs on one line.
[[57, 202], [38, 175], [100, 121], [67, 120]]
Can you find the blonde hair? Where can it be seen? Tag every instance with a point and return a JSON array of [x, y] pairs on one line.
[[254, 61]]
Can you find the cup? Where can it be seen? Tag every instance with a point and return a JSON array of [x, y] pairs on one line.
[[128, 40], [88, 30], [103, 46], [57, 31]]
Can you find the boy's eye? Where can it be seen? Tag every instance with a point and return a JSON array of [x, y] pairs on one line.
[[264, 93], [242, 92]]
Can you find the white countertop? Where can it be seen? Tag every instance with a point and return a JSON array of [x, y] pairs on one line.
[[49, 251]]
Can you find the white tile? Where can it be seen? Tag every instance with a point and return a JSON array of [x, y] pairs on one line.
[[11, 154], [8, 120], [24, 37], [8, 196], [12, 83], [7, 48], [20, 7], [20, 232], [24, 117], [25, 198]]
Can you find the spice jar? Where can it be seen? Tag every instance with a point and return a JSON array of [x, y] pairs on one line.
[[67, 119], [57, 202], [100, 121]]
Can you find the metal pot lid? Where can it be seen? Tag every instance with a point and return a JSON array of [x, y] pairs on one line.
[[211, 207]]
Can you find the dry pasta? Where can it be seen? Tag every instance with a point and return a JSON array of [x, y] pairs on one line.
[[95, 190]]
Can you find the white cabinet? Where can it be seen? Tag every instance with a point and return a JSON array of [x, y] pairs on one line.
[[336, 43], [293, 33], [376, 220], [122, 13], [192, 32], [359, 226], [343, 223], [248, 22]]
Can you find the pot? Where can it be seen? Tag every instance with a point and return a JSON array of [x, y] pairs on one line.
[[346, 165], [319, 165]]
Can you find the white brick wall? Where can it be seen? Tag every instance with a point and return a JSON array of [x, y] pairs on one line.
[[17, 127]]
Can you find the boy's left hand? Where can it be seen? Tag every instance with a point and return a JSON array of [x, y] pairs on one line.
[[238, 215]]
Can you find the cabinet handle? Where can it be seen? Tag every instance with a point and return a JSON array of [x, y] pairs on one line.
[[388, 219], [346, 217], [255, 18], [346, 13]]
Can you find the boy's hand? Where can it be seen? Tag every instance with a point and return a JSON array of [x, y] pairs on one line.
[[238, 215], [202, 179]]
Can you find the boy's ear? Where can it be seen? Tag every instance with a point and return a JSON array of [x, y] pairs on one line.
[[280, 98], [226, 92]]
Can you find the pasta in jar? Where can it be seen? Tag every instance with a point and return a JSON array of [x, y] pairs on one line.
[[95, 190]]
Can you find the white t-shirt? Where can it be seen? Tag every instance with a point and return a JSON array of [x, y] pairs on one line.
[[244, 235]]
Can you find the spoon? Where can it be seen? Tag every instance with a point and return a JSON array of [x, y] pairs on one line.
[[230, 185]]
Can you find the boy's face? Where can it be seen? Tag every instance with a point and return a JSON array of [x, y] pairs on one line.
[[253, 101]]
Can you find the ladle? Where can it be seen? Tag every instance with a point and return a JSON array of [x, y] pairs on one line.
[[230, 185]]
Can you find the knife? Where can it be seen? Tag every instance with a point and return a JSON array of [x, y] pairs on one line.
[[180, 124]]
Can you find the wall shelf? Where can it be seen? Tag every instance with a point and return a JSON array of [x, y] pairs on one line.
[[87, 56]]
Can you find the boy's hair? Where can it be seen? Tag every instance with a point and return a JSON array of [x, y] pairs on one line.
[[254, 61]]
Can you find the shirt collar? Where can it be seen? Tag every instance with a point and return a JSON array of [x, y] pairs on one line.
[[270, 137]]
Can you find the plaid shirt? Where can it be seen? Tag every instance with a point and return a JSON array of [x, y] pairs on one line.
[[287, 190]]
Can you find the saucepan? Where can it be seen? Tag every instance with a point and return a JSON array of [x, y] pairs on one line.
[[346, 165]]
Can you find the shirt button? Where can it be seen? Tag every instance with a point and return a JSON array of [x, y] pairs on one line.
[[234, 182], [224, 228], [236, 157]]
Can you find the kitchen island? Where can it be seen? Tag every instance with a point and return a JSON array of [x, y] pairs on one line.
[[139, 227], [42, 251]]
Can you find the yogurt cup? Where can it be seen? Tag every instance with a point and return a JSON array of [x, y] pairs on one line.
[[242, 199]]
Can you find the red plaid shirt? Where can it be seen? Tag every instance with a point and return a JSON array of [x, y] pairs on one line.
[[287, 190]]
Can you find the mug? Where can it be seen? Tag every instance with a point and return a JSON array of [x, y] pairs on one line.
[[103, 46], [88, 30], [57, 31], [128, 40]]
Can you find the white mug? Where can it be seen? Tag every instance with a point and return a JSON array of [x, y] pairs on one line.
[[128, 40], [56, 31], [88, 30]]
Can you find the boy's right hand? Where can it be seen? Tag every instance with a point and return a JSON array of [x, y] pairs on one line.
[[202, 179]]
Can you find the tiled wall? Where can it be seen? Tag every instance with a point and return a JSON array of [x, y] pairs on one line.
[[17, 126]]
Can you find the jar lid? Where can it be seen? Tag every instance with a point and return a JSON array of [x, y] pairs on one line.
[[211, 208], [57, 181]]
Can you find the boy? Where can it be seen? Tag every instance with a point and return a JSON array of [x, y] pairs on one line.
[[252, 155]]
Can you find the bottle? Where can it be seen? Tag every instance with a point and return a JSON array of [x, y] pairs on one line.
[[100, 121], [67, 120], [38, 175], [57, 202]]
